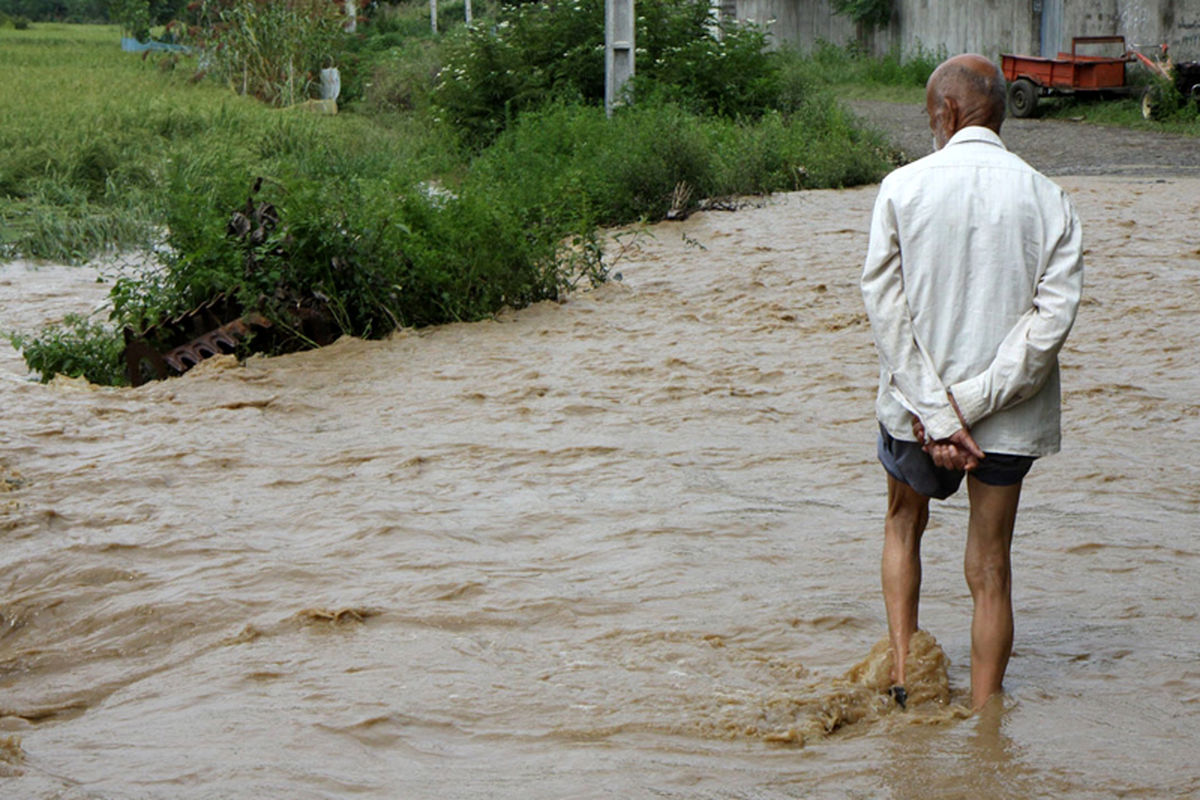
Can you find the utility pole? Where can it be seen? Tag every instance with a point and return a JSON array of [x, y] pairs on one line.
[[618, 50]]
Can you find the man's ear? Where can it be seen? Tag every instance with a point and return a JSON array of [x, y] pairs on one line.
[[951, 114]]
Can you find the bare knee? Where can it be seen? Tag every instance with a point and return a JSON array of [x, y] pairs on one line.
[[989, 574]]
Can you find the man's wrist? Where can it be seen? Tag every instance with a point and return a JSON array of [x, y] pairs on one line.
[[942, 423], [957, 410]]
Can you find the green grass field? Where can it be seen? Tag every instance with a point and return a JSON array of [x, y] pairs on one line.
[[88, 135]]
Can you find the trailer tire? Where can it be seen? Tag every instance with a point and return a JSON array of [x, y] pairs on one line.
[[1147, 104], [1022, 97]]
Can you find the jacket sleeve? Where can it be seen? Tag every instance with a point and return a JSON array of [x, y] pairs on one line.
[[1029, 352], [914, 380]]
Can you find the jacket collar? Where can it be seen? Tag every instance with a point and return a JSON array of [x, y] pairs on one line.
[[976, 133]]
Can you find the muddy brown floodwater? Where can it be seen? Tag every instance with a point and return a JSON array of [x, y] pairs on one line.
[[622, 546]]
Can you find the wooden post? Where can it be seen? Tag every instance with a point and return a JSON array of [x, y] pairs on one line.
[[618, 50], [433, 15]]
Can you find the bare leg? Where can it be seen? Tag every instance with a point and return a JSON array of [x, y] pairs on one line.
[[989, 575], [907, 515]]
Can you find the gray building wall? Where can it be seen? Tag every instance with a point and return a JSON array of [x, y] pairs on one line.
[[797, 23], [987, 26]]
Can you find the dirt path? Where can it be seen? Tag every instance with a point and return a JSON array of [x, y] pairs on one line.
[[1055, 147]]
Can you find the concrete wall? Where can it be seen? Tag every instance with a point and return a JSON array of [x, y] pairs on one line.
[[981, 26], [1144, 23], [798, 23], [988, 26]]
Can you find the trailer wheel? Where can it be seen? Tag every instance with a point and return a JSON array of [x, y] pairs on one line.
[[1022, 97], [1148, 102], [1160, 100]]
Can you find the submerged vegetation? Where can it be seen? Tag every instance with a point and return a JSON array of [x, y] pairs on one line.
[[469, 171]]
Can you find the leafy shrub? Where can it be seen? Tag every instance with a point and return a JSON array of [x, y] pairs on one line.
[[567, 165], [356, 232], [78, 348], [540, 52], [734, 76], [868, 13], [17, 22], [133, 16]]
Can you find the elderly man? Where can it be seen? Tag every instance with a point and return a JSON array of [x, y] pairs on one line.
[[972, 279]]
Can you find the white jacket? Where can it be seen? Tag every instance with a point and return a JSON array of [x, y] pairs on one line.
[[972, 280]]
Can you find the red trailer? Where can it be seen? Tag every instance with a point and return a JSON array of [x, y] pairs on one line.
[[1030, 77]]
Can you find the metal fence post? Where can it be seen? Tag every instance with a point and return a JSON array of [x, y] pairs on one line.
[[618, 50]]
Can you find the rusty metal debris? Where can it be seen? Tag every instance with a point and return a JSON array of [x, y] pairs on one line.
[[222, 325], [190, 338]]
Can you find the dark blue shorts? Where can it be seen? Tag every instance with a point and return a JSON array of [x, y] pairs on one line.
[[908, 463]]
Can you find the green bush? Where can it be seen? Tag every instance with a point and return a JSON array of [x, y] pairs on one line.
[[567, 165], [734, 76], [133, 16], [554, 51], [868, 13], [16, 22], [379, 249], [78, 348], [356, 231]]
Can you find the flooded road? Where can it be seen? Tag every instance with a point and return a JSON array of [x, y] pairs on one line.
[[622, 546]]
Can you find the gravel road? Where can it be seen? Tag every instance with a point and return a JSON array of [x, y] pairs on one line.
[[1055, 147]]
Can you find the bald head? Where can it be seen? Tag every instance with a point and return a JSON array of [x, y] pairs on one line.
[[964, 90]]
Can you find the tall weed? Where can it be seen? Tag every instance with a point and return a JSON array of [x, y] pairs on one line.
[[273, 51], [852, 65]]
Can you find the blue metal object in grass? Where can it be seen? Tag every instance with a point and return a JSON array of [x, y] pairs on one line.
[[131, 45]]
